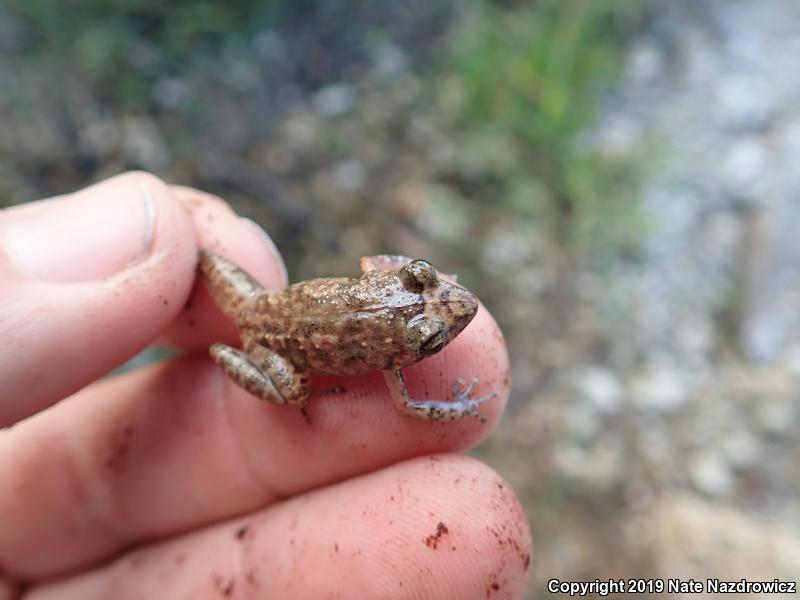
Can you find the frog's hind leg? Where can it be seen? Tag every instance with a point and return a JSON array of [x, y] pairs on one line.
[[383, 262], [392, 262], [461, 405], [264, 374], [228, 285]]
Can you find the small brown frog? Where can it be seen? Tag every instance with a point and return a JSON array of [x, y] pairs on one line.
[[397, 313]]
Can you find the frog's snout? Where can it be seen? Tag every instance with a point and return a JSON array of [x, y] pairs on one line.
[[457, 306], [461, 302]]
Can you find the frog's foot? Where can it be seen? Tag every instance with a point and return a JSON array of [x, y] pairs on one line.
[[464, 397], [264, 374], [461, 405], [392, 262]]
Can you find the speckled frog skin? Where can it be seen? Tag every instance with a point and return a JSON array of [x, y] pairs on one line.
[[397, 313]]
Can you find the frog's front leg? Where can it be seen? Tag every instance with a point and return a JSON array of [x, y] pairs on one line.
[[263, 373], [461, 405]]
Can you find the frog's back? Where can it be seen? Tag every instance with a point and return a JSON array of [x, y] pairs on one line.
[[332, 325], [314, 297]]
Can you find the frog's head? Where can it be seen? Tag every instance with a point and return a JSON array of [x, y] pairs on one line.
[[447, 308]]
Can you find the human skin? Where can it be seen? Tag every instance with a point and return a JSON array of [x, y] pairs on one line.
[[171, 481]]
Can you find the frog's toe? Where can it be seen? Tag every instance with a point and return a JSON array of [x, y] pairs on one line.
[[470, 404], [465, 390]]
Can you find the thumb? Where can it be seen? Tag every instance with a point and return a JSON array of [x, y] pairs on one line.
[[87, 280]]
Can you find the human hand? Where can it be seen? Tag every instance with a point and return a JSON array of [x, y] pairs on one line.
[[170, 481]]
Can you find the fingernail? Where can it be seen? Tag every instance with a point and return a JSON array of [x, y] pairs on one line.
[[276, 255], [89, 235]]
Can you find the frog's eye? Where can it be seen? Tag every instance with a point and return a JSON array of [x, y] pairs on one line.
[[433, 344], [427, 334], [418, 275]]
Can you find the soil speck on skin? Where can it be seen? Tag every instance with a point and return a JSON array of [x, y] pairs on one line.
[[242, 531], [223, 585], [432, 541], [493, 587], [251, 579], [21, 587], [336, 548], [119, 447]]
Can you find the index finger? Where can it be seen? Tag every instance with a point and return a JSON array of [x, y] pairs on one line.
[[181, 446]]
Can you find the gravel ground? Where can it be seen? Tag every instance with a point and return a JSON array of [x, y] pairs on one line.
[[674, 452]]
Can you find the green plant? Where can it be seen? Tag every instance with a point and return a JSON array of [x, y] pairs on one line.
[[533, 77]]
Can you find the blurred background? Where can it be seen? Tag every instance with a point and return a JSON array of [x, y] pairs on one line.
[[617, 180]]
